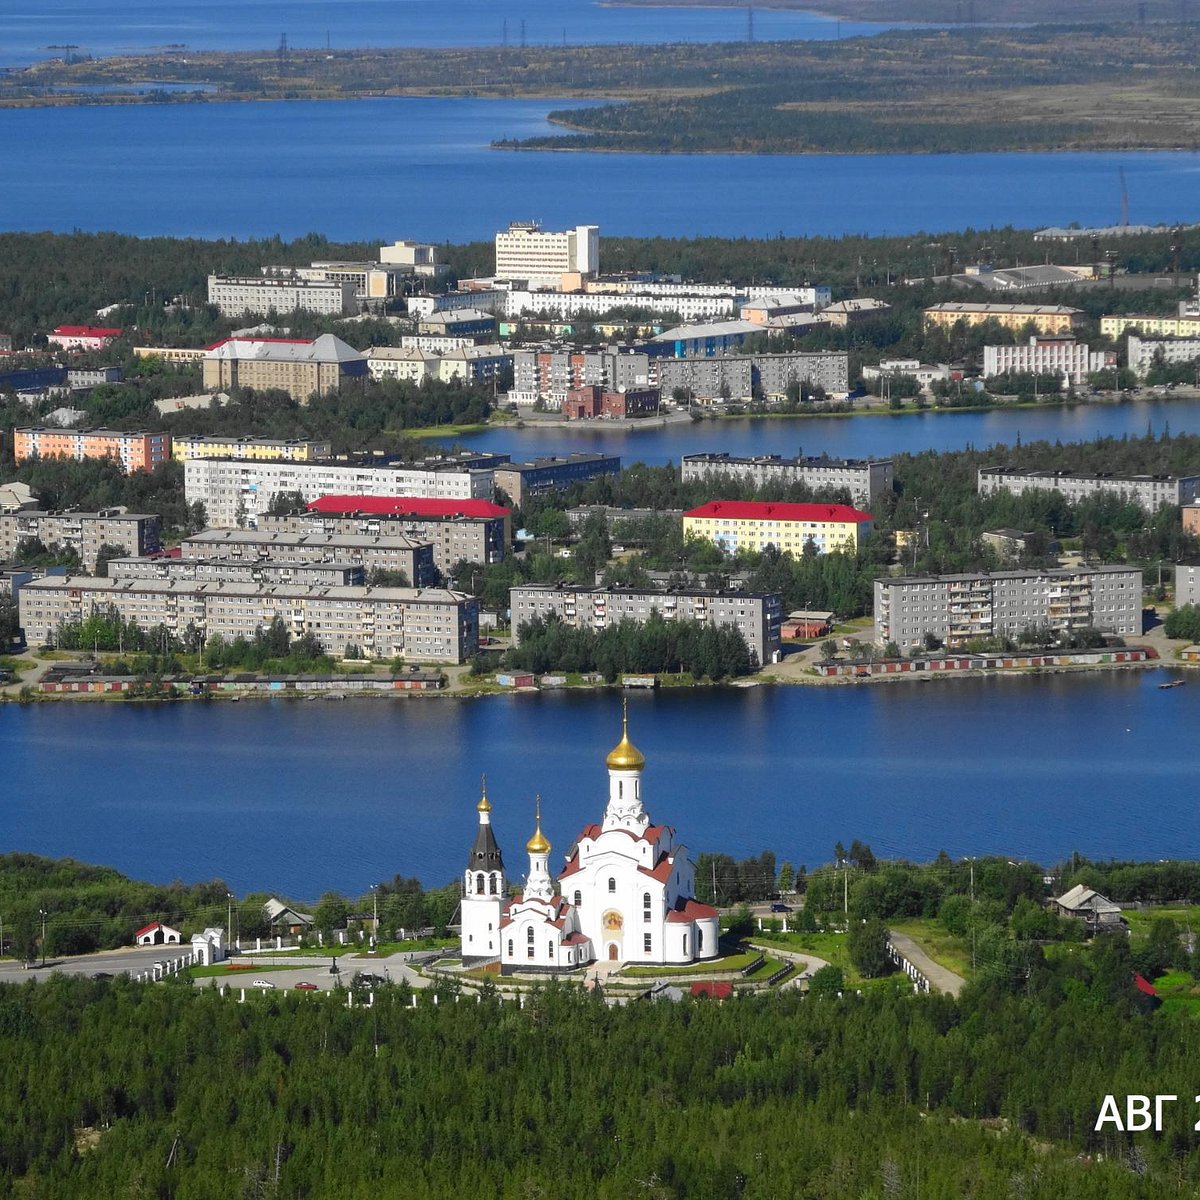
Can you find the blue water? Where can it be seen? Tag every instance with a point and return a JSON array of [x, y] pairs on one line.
[[849, 437], [28, 30], [422, 168], [300, 797]]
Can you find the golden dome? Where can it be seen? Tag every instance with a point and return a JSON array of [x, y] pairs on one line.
[[484, 805], [625, 756], [538, 844]]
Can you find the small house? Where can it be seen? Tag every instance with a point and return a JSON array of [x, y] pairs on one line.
[[208, 947], [157, 934], [1087, 905], [285, 919]]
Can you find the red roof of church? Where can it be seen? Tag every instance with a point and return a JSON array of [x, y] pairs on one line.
[[86, 331], [407, 506], [147, 928], [761, 510], [662, 870], [690, 910], [574, 939]]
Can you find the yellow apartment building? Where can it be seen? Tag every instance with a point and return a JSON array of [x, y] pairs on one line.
[[1045, 318], [753, 525]]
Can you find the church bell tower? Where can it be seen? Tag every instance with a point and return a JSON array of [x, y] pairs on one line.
[[483, 890]]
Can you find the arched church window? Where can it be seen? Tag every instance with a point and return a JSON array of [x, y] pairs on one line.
[[699, 940], [479, 888], [645, 906], [492, 889], [510, 948], [621, 789], [646, 943], [578, 899], [685, 943], [529, 935], [612, 884], [550, 950]]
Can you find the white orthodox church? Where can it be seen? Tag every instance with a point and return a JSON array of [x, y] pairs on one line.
[[624, 895]]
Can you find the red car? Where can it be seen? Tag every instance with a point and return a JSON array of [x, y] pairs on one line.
[[306, 987]]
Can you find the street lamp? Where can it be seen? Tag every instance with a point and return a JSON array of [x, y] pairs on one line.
[[228, 918]]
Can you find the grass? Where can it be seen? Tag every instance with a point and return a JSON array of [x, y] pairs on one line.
[[1179, 992], [1141, 919], [437, 431], [945, 948], [222, 970], [731, 962]]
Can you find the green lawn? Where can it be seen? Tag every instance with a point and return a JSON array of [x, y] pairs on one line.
[[222, 971], [1179, 992], [731, 962], [1139, 921], [946, 949]]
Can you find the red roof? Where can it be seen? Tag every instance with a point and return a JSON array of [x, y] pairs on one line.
[[662, 871], [718, 989], [86, 331], [281, 341], [690, 910], [1144, 986], [147, 928], [760, 510], [407, 506]]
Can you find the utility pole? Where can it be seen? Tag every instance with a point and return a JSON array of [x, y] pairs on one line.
[[229, 919], [42, 912]]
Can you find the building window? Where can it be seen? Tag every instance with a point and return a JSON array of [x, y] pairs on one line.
[[645, 906], [578, 899], [494, 885], [612, 884], [646, 944], [510, 947], [529, 936], [550, 950], [479, 888], [685, 950], [699, 940]]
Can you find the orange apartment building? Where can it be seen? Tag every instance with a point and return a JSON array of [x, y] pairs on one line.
[[137, 451]]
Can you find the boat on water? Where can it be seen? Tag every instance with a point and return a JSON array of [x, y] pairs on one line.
[[1174, 683]]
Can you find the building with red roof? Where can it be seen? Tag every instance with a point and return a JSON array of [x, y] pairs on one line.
[[83, 337], [753, 525]]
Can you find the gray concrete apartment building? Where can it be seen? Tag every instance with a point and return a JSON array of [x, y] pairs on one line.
[[282, 293], [756, 614], [742, 375], [865, 479], [960, 608], [85, 533], [521, 481], [1150, 491], [237, 492], [453, 538], [369, 551], [240, 570], [1187, 584], [419, 624]]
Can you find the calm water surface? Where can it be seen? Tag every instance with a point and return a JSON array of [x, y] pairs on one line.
[[850, 437], [301, 796], [29, 30], [422, 168]]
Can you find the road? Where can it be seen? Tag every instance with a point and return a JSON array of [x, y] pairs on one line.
[[940, 979]]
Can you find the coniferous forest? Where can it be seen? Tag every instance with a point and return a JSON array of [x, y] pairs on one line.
[[117, 1089]]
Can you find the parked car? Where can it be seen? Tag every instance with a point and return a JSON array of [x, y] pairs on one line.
[[781, 908], [262, 983], [306, 987]]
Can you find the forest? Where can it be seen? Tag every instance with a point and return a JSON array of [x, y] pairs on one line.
[[115, 1089]]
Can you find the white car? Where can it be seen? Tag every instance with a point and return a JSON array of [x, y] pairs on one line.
[[262, 983]]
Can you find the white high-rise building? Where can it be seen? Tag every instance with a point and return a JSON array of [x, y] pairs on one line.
[[525, 251]]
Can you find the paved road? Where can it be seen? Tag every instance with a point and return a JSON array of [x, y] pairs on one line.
[[940, 979]]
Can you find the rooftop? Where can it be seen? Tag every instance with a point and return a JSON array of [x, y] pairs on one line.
[[406, 506], [758, 510]]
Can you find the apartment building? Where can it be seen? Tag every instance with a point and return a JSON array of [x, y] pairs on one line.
[[318, 573], [82, 337], [754, 525], [419, 624], [1062, 356], [386, 551], [867, 480], [549, 373], [524, 302], [1183, 325], [742, 376], [250, 448], [961, 608], [282, 291], [756, 614], [475, 531], [1045, 318], [84, 532], [594, 402], [525, 251], [1150, 491], [520, 481], [177, 356], [300, 367], [458, 322], [236, 492], [415, 258], [471, 363], [1187, 583], [1145, 352], [137, 451]]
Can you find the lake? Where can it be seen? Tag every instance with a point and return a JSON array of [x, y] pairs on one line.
[[301, 797], [846, 437], [423, 168], [30, 32]]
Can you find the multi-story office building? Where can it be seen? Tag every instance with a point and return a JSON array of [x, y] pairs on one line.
[[525, 251], [520, 481], [959, 609], [419, 624], [1045, 318], [754, 525], [282, 291], [1144, 353], [386, 551], [318, 573], [236, 492], [474, 531], [1150, 491], [741, 376], [867, 480], [300, 367], [290, 450], [756, 614], [137, 451], [1062, 356], [84, 532]]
